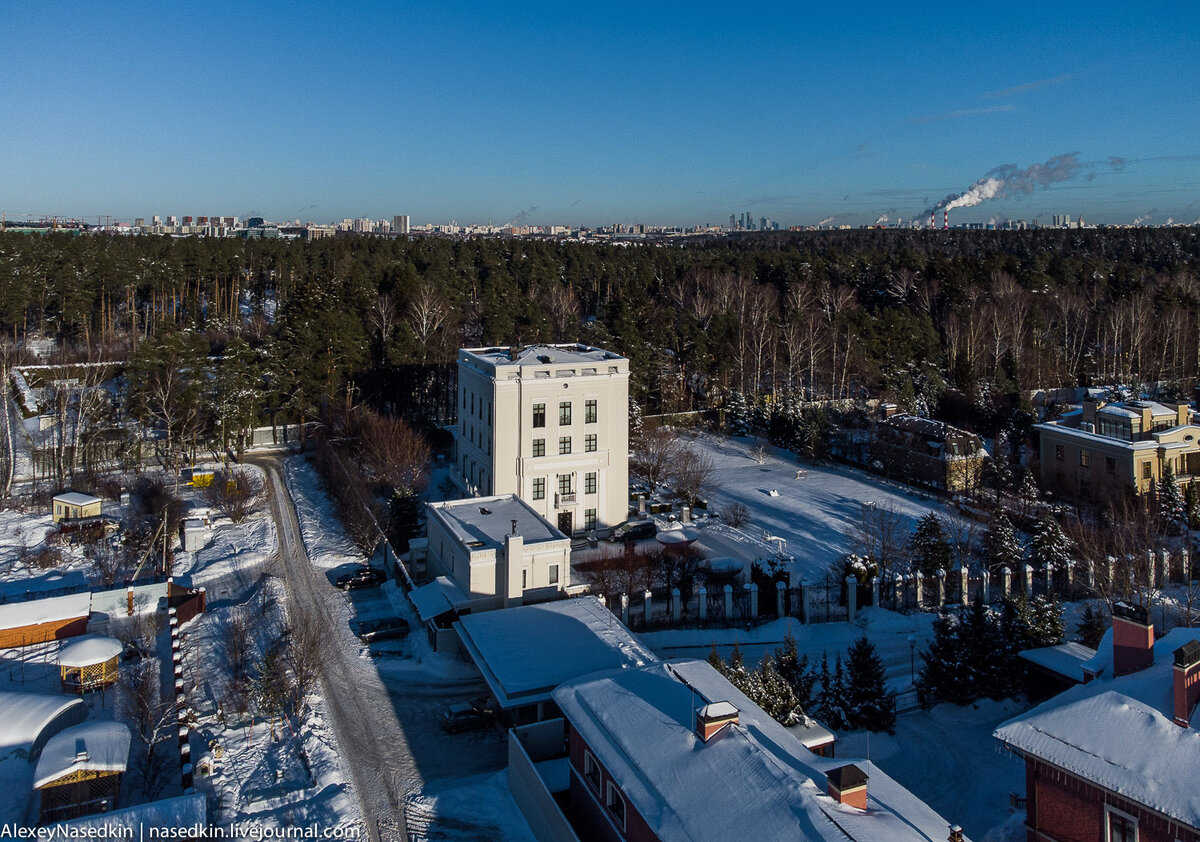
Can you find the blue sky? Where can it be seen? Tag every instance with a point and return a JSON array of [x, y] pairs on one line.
[[656, 113]]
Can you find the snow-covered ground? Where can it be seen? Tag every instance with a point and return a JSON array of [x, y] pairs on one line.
[[947, 756], [888, 630], [811, 514]]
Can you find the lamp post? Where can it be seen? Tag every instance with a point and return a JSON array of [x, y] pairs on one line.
[[912, 659]]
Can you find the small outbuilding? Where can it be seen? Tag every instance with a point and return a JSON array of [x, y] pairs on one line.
[[89, 663], [195, 534], [72, 505], [79, 772], [41, 620]]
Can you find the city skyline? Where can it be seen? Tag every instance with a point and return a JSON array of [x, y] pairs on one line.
[[537, 114]]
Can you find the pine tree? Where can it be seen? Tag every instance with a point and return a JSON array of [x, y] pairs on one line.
[[775, 695], [736, 662], [635, 423], [1001, 548], [1045, 620], [867, 702], [1191, 504], [793, 668], [941, 677], [737, 415], [1172, 509], [715, 660], [1049, 544], [928, 545], [1091, 627], [983, 652]]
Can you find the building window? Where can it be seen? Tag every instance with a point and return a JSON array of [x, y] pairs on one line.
[[1119, 827], [552, 574], [539, 415], [589, 443], [589, 412], [591, 770], [1147, 471], [539, 488], [564, 445], [1060, 453], [564, 413], [589, 519], [1110, 464], [1085, 458], [524, 578], [615, 802], [539, 447], [564, 483], [589, 483]]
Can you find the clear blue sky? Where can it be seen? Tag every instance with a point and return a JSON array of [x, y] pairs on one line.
[[595, 113]]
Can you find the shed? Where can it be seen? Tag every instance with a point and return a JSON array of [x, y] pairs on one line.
[[79, 772], [194, 534], [88, 663], [72, 504], [40, 620], [28, 720]]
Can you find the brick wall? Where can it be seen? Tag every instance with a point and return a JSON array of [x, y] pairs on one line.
[[587, 802], [1068, 809]]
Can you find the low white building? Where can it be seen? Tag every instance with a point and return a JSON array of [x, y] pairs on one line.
[[498, 551]]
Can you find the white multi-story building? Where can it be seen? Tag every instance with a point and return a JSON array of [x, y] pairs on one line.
[[549, 423]]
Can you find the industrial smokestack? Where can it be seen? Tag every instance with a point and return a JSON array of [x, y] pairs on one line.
[[933, 219], [946, 220]]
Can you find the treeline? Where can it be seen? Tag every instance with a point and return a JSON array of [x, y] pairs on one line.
[[906, 315]]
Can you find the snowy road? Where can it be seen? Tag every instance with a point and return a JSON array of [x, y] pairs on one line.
[[363, 716]]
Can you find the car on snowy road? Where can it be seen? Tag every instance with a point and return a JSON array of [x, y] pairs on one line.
[[364, 577], [467, 715], [632, 530], [389, 628]]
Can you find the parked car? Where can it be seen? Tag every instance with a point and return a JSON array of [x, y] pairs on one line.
[[467, 715], [632, 530], [389, 628], [364, 577]]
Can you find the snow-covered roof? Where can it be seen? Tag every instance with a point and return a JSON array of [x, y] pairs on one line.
[[88, 650], [753, 781], [573, 354], [484, 521], [14, 615], [23, 716], [1119, 733], [95, 746], [436, 598], [182, 811], [75, 498], [525, 652], [1065, 659]]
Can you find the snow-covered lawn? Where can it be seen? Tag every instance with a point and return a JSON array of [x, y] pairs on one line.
[[946, 756], [480, 807], [888, 630], [811, 514]]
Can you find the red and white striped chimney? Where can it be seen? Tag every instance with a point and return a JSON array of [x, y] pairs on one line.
[[946, 220], [933, 219]]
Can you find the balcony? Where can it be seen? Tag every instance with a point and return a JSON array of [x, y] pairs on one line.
[[561, 500]]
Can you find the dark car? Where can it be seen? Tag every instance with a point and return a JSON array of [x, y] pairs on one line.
[[365, 577], [389, 628], [632, 530], [467, 715]]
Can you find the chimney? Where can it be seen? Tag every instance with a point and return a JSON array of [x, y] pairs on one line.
[[1187, 681], [713, 717], [81, 752], [1133, 638], [513, 350], [848, 785], [1089, 411], [1183, 412], [946, 220], [956, 834], [933, 219], [514, 527]]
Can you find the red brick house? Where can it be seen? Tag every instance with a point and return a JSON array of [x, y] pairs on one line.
[[1117, 759], [672, 751]]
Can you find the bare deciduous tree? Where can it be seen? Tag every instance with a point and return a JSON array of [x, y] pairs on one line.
[[653, 459], [235, 494], [692, 473], [141, 704], [879, 534]]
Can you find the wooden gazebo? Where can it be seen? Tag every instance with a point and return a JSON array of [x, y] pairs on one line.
[[88, 663]]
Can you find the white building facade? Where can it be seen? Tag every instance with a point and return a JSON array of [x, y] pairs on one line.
[[549, 423]]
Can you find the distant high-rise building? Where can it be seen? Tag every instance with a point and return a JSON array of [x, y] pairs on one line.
[[156, 220], [139, 222], [172, 221], [187, 220], [1061, 220], [400, 224], [732, 221]]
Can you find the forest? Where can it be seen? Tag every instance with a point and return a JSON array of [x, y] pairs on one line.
[[915, 317]]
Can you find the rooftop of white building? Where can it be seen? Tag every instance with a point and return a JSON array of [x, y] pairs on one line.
[[483, 522], [540, 355]]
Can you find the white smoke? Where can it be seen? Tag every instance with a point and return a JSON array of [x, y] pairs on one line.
[[882, 219], [826, 221], [1139, 220], [1008, 179], [1170, 220]]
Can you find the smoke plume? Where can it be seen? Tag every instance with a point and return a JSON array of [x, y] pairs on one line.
[[826, 221], [1009, 180], [883, 218]]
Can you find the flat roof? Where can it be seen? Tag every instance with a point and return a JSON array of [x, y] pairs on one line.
[[1065, 659], [525, 652], [436, 598], [540, 355], [479, 522]]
